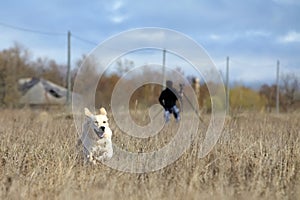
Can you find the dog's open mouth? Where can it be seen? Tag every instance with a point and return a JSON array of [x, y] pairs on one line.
[[99, 133]]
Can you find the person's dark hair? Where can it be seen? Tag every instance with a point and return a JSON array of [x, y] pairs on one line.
[[169, 84]]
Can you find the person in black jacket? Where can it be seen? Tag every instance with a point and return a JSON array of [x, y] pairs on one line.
[[167, 99]]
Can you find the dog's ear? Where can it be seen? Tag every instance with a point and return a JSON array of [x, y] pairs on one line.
[[103, 111], [87, 112]]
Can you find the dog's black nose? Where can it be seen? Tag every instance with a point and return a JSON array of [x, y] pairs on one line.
[[102, 128]]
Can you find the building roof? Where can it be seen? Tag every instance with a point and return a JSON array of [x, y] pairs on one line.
[[40, 91]]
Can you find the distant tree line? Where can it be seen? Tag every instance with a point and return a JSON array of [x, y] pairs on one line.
[[16, 62]]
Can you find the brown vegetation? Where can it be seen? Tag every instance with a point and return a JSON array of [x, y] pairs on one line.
[[257, 157], [16, 63]]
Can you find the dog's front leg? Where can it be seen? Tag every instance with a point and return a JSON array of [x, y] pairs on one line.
[[103, 157], [91, 155]]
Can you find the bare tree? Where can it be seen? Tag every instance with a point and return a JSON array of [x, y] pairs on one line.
[[290, 85], [124, 66], [269, 92]]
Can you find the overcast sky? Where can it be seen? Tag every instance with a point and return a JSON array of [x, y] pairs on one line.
[[253, 33]]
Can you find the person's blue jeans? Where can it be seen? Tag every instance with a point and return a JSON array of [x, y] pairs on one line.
[[173, 110]]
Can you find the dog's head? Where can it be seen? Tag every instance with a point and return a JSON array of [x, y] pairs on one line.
[[99, 123]]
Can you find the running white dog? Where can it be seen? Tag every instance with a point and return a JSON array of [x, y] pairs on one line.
[[96, 137]]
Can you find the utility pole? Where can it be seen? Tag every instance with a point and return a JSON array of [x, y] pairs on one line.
[[227, 85], [69, 70], [164, 69], [277, 88]]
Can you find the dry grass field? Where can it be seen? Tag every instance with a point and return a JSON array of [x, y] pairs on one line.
[[257, 157]]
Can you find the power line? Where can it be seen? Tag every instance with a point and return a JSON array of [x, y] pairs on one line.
[[84, 40], [247, 64], [45, 32], [31, 30]]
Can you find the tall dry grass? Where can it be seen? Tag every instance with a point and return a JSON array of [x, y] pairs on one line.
[[257, 157]]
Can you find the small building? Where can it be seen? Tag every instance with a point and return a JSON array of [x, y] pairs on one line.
[[38, 91]]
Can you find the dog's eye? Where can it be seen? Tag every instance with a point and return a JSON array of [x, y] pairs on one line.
[[95, 122], [104, 122]]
